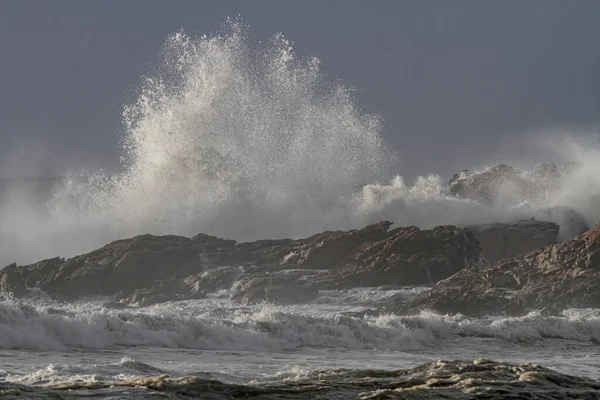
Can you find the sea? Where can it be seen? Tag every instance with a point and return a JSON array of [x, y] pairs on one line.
[[241, 138], [45, 344]]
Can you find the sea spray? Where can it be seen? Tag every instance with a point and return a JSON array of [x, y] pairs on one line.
[[233, 137], [243, 139]]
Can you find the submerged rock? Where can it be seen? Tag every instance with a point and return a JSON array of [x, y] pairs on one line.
[[552, 279]]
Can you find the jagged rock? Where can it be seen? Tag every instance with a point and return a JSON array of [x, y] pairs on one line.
[[147, 269], [161, 291], [503, 241], [284, 287], [487, 187], [125, 265], [213, 279], [553, 278], [402, 256], [15, 279], [11, 281]]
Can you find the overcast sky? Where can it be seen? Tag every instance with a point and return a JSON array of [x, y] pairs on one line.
[[453, 79]]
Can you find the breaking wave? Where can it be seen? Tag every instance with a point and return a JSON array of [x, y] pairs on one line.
[[234, 137], [222, 326]]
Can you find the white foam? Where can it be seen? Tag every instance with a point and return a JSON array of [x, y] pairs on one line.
[[221, 325], [243, 139]]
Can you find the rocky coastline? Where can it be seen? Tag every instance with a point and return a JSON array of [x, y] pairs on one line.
[[504, 268]]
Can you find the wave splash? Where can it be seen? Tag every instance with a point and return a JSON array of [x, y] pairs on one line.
[[238, 138], [48, 326]]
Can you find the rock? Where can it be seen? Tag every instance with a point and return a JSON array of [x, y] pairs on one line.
[[125, 266], [502, 184], [12, 281], [404, 256], [147, 269], [487, 187], [552, 279], [284, 287], [15, 280], [503, 241], [213, 279]]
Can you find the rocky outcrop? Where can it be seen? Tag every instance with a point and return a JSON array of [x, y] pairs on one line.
[[504, 185], [403, 256], [283, 287], [551, 279], [488, 187], [11, 281], [504, 241], [15, 279], [147, 269]]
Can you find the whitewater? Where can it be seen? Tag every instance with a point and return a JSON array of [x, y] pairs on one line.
[[239, 138]]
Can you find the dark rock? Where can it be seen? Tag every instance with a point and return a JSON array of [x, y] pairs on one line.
[[12, 281], [160, 292], [503, 241], [213, 279], [406, 256], [285, 287], [124, 266], [147, 269], [553, 278]]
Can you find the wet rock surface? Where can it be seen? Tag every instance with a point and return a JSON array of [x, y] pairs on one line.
[[147, 269], [551, 279], [508, 240]]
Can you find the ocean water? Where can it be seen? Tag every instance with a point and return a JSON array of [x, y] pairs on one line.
[[240, 138], [44, 343]]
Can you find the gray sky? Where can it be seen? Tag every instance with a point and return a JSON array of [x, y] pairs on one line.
[[453, 79]]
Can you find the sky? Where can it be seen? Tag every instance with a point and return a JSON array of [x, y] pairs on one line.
[[454, 80]]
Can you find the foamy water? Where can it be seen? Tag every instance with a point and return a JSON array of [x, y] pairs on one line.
[[222, 339], [240, 138]]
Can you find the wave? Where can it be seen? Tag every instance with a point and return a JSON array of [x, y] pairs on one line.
[[217, 325], [63, 373], [441, 379], [243, 139]]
